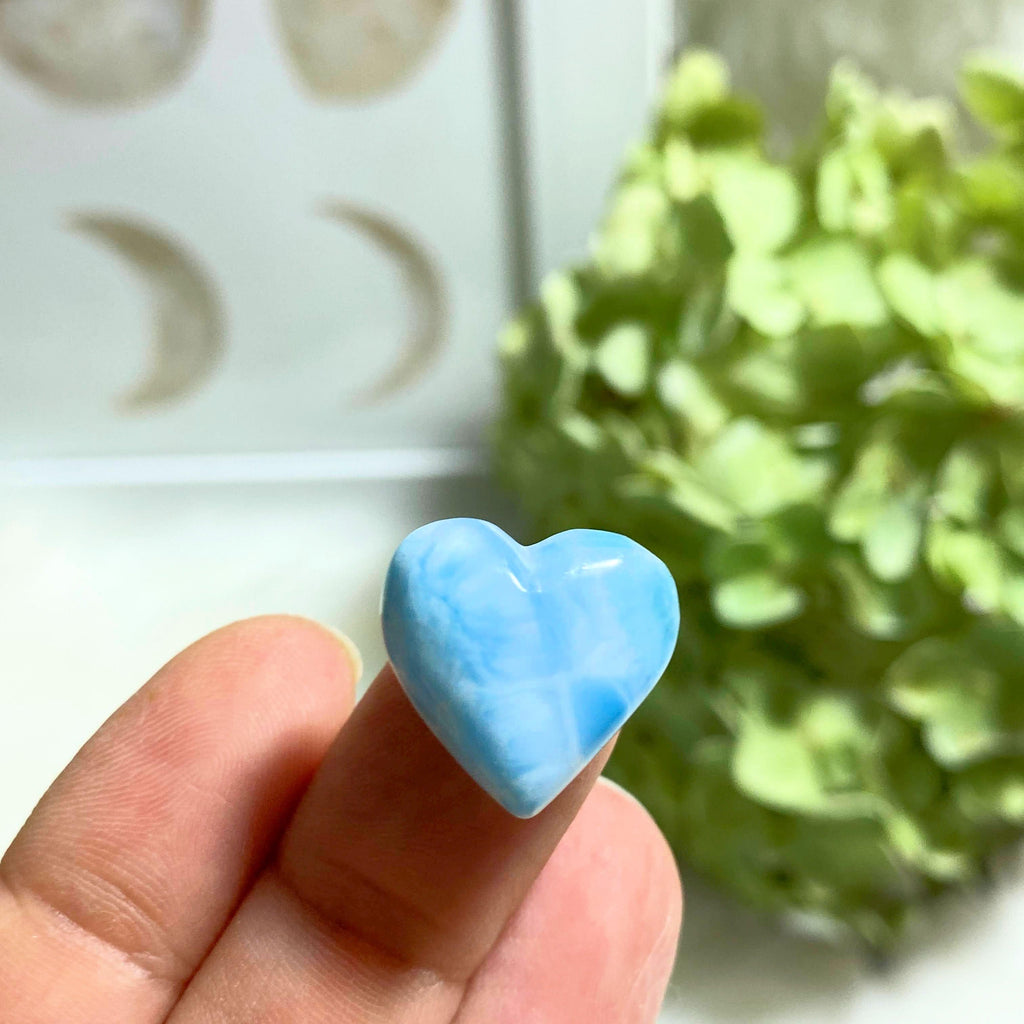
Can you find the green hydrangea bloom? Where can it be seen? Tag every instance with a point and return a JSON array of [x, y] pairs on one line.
[[801, 383]]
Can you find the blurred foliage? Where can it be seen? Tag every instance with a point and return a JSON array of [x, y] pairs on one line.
[[801, 383]]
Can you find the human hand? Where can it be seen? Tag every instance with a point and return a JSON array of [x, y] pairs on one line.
[[237, 844]]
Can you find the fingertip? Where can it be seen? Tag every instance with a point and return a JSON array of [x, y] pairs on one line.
[[596, 937], [348, 645], [310, 656], [658, 917], [663, 866], [149, 840]]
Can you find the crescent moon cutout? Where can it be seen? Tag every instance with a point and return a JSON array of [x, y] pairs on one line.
[[114, 52], [425, 288], [353, 49], [188, 330]]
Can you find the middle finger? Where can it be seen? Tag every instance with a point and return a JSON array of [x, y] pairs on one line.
[[395, 879]]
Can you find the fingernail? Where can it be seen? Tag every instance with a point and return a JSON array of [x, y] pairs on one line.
[[355, 658], [612, 784]]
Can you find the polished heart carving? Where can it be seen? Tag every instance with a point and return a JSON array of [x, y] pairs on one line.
[[524, 661]]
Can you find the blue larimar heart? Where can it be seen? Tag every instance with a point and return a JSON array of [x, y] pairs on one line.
[[523, 661]]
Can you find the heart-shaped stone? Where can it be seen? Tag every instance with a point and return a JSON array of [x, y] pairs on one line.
[[523, 661]]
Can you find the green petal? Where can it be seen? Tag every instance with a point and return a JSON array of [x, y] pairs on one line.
[[514, 339], [759, 203], [756, 600], [965, 479], [993, 790], [623, 358], [684, 487], [682, 388], [772, 766], [854, 192], [758, 289], [994, 92], [581, 430], [985, 322], [909, 287], [758, 471], [684, 177], [956, 699], [835, 281], [913, 844], [699, 80], [993, 186], [630, 241], [1011, 530], [770, 378], [969, 562], [892, 540], [867, 490], [834, 194], [875, 608], [1011, 598], [794, 767], [560, 298]]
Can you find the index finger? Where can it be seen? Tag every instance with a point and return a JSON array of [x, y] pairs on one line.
[[132, 863]]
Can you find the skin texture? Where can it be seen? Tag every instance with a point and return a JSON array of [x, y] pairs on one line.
[[236, 844]]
